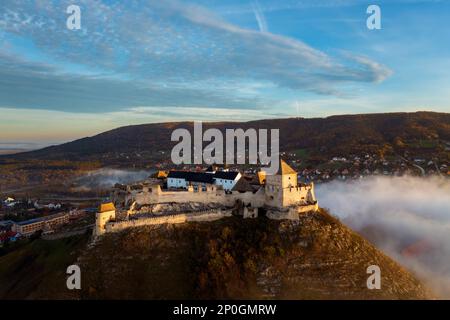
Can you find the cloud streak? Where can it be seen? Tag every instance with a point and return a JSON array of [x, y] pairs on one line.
[[39, 86], [154, 45], [260, 18]]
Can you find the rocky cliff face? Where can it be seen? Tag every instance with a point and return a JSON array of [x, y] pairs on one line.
[[314, 258]]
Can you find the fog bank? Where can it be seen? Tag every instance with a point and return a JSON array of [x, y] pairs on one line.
[[406, 217], [106, 178]]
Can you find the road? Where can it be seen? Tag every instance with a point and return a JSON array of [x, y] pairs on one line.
[[422, 170]]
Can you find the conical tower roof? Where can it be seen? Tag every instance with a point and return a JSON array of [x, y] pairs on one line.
[[285, 168], [104, 207]]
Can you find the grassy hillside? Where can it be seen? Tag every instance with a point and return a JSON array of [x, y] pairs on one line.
[[38, 269]]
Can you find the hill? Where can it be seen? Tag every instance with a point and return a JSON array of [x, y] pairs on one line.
[[37, 270], [140, 144], [314, 258]]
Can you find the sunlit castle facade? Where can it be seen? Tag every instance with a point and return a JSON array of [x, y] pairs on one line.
[[222, 193]]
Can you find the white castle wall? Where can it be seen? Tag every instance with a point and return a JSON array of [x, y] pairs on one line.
[[271, 196], [292, 213], [281, 197], [256, 200], [101, 218], [210, 215], [286, 203], [211, 195], [297, 195], [278, 197], [155, 195]]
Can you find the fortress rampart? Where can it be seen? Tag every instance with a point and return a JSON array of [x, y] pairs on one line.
[[279, 197], [209, 215]]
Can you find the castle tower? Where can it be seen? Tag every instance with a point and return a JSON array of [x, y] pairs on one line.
[[279, 186], [106, 213], [286, 177]]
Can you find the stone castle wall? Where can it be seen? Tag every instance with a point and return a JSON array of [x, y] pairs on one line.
[[155, 195], [279, 194], [101, 218], [276, 196], [281, 200], [292, 213], [298, 195], [209, 196], [209, 215]]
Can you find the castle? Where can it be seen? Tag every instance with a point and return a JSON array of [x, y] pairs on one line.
[[187, 196]]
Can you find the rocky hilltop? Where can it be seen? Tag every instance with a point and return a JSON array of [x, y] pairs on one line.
[[314, 258]]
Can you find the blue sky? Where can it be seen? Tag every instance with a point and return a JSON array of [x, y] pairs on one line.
[[150, 61]]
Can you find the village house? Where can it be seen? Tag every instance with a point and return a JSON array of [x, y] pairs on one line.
[[46, 223]]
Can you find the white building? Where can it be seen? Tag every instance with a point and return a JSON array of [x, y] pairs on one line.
[[9, 200], [226, 179], [183, 179]]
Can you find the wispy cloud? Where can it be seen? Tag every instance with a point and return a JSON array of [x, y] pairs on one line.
[[161, 53], [241, 7], [260, 18]]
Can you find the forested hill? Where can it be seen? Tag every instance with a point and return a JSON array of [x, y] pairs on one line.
[[331, 135]]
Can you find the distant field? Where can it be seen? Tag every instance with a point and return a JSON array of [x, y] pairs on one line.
[[301, 153], [12, 151], [424, 143], [37, 269]]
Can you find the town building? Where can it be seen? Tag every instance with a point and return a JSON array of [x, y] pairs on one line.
[[46, 223], [10, 236], [184, 179]]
